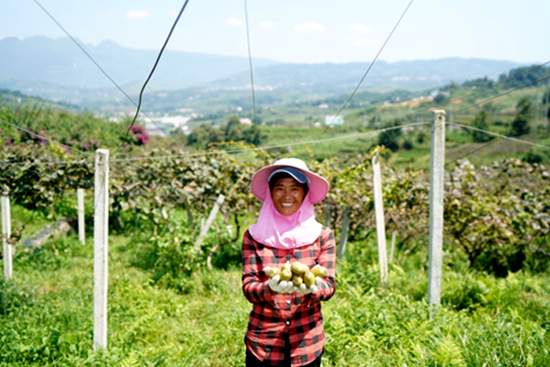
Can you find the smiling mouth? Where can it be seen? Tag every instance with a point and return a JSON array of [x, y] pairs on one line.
[[287, 204]]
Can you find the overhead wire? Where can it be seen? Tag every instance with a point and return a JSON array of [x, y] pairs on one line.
[[502, 82], [368, 69], [153, 70], [45, 138], [501, 136], [250, 61], [503, 94], [99, 66], [316, 141], [498, 136]]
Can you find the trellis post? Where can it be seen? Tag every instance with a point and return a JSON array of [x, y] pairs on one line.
[[380, 219], [7, 249], [437, 171], [344, 234], [101, 241], [80, 205], [392, 246], [211, 217]]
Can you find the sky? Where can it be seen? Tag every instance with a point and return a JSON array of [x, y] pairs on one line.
[[301, 31]]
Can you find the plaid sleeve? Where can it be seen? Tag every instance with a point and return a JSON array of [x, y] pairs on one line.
[[254, 290], [327, 258]]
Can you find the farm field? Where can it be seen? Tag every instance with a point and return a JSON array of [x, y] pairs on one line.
[[47, 311]]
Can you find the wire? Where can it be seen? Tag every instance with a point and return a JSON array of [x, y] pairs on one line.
[[43, 137], [151, 73], [369, 68], [250, 61], [501, 82], [273, 146], [472, 152], [501, 136], [503, 94], [95, 63]]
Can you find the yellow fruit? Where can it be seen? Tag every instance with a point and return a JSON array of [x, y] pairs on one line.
[[298, 268], [297, 280], [271, 272], [319, 271], [309, 278], [285, 274]]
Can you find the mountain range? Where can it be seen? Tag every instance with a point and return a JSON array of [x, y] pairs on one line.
[[59, 70]]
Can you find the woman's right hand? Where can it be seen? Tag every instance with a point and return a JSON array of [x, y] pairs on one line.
[[280, 286]]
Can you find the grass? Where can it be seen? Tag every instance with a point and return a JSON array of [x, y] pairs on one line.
[[46, 314]]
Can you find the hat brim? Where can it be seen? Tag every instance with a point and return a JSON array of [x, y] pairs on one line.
[[318, 186]]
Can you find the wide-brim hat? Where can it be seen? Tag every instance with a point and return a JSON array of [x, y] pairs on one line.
[[318, 186]]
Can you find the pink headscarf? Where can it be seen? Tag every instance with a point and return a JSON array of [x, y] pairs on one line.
[[285, 232]]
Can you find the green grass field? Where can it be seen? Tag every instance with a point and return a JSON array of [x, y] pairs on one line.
[[46, 313]]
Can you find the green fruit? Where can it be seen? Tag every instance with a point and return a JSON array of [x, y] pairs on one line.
[[298, 268], [297, 280], [285, 274], [271, 272], [309, 278], [319, 271], [286, 266]]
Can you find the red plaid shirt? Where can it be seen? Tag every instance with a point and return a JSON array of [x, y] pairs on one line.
[[276, 315]]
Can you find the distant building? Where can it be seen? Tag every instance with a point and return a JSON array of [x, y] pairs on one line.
[[245, 121], [323, 105], [334, 120]]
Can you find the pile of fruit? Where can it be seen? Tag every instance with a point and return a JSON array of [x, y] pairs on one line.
[[297, 273]]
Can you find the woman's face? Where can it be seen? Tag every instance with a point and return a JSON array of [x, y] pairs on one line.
[[287, 195]]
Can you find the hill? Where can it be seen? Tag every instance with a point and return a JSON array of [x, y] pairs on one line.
[[59, 61]]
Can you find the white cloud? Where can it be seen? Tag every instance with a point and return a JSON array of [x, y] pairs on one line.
[[309, 27], [234, 22], [174, 13], [137, 14], [360, 28], [268, 26]]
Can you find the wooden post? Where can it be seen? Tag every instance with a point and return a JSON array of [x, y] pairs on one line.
[[437, 171], [380, 220], [7, 249], [344, 234], [211, 217], [81, 228], [392, 247], [101, 241]]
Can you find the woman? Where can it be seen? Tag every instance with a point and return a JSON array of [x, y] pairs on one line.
[[286, 325]]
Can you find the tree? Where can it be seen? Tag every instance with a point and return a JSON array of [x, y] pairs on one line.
[[204, 135], [524, 112], [388, 138], [480, 122]]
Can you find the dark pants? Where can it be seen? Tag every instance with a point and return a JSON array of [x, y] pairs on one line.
[[252, 361]]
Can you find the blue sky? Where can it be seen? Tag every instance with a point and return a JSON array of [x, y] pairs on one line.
[[311, 31]]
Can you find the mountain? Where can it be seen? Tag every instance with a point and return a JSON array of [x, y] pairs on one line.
[[60, 61], [344, 77], [58, 70]]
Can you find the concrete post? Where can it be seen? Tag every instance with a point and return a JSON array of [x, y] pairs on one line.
[[81, 228], [101, 241], [7, 249], [380, 220], [437, 171], [211, 217]]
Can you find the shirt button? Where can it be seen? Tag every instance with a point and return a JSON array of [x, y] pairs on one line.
[[288, 301], [288, 322]]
